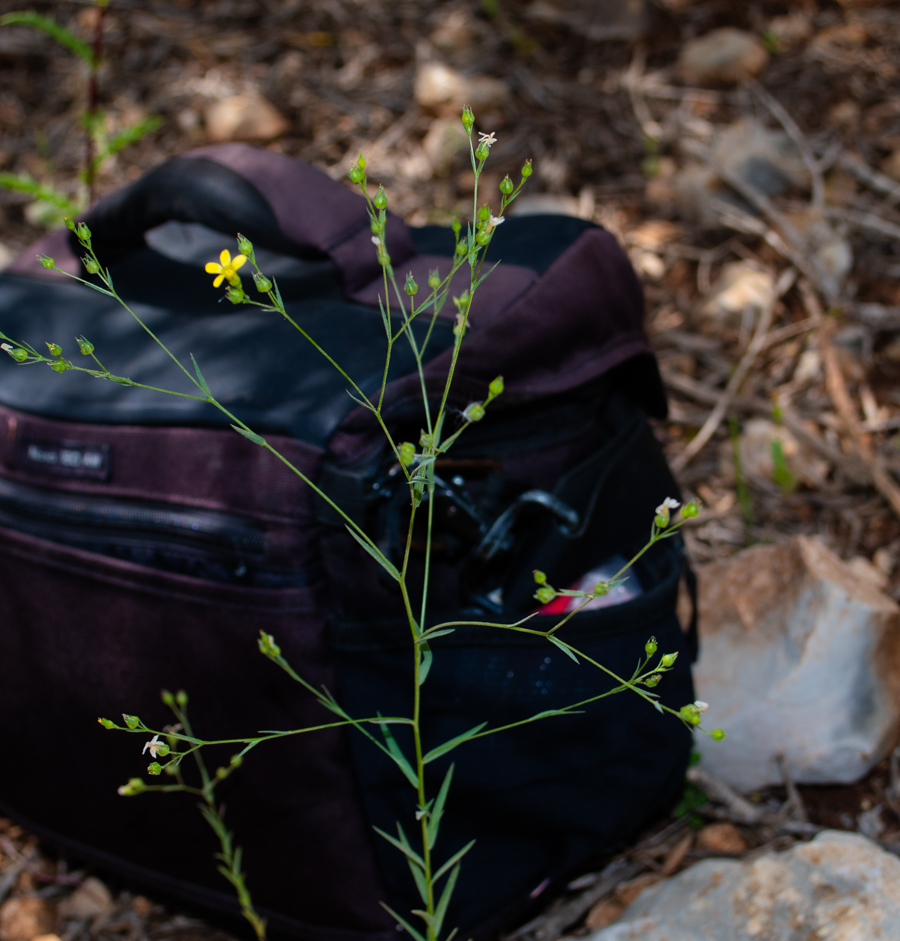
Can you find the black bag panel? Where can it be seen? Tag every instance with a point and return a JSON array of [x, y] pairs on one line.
[[239, 354], [531, 241], [548, 796], [102, 636]]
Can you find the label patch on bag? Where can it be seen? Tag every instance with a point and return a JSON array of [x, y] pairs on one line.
[[65, 458]]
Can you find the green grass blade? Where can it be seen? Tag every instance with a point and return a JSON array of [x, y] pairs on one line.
[[49, 26]]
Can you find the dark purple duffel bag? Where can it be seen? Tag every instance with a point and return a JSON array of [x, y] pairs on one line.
[[145, 544]]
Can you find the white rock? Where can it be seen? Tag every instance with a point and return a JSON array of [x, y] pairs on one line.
[[6, 256], [798, 655], [544, 204], [739, 286], [246, 117], [440, 88], [758, 461], [839, 887], [724, 55], [90, 899], [445, 139]]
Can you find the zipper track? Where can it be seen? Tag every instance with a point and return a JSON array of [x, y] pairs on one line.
[[102, 513]]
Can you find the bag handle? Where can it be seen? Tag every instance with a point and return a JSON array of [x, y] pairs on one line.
[[276, 201]]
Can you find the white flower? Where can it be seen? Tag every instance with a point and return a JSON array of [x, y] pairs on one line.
[[670, 503], [153, 746], [487, 139], [5, 346], [376, 240], [495, 221], [701, 706]]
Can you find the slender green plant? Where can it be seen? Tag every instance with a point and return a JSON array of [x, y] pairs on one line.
[[54, 204], [434, 878]]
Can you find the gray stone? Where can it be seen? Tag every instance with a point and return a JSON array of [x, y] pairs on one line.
[[798, 655], [839, 887], [598, 20], [724, 55]]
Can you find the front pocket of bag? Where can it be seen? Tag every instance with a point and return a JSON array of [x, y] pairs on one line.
[[83, 635]]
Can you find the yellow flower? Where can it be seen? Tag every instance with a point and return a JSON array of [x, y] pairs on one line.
[[226, 270]]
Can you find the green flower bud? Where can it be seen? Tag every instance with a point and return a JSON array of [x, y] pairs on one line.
[[55, 349], [718, 735], [483, 237], [690, 510], [221, 773], [245, 246], [70, 225], [356, 174], [90, 264], [461, 248], [85, 346], [61, 365], [154, 768], [474, 411], [134, 786], [426, 440], [267, 645], [496, 387], [263, 284], [407, 452], [410, 287], [132, 722], [167, 698], [181, 697], [668, 659], [601, 589], [545, 594], [468, 119], [162, 749], [107, 723], [236, 761], [83, 233], [361, 162], [235, 293], [652, 681], [506, 185], [380, 199], [539, 577], [434, 279], [456, 225], [526, 169], [482, 151], [650, 647], [46, 261], [484, 213], [18, 354]]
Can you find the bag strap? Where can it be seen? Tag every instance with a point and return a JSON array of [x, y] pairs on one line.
[[276, 201]]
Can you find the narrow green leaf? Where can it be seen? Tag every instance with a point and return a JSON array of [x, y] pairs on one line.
[[249, 435], [452, 743], [376, 554], [419, 878], [398, 756], [446, 630], [425, 665], [657, 707], [49, 26], [402, 921], [434, 818], [407, 850], [131, 135], [385, 318], [441, 909], [452, 861], [563, 648], [203, 386], [414, 866]]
